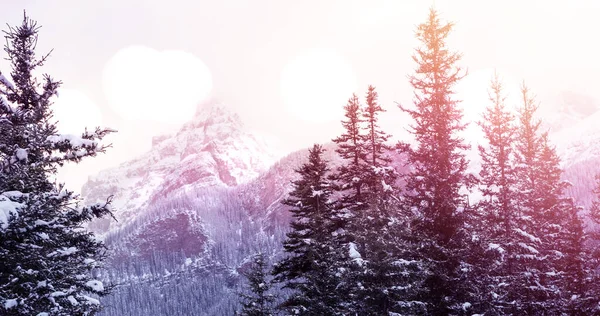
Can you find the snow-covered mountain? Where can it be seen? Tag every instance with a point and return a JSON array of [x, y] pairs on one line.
[[566, 109], [183, 254], [578, 145], [198, 204], [212, 150]]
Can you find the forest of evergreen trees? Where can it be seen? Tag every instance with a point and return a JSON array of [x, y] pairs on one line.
[[367, 240]]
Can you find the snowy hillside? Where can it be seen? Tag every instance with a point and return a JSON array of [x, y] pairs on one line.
[[567, 109], [199, 241], [198, 204], [579, 148]]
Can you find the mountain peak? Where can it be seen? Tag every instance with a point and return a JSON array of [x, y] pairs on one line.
[[212, 150], [215, 119], [212, 107]]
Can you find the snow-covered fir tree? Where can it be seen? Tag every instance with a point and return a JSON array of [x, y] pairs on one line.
[[498, 207], [594, 216], [535, 289], [377, 276], [349, 183], [379, 177], [579, 279], [592, 284], [570, 273], [258, 299], [352, 148], [310, 268], [438, 175], [47, 255], [533, 233]]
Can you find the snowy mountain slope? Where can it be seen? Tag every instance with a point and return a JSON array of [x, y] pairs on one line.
[[567, 109], [263, 196], [579, 148], [212, 150]]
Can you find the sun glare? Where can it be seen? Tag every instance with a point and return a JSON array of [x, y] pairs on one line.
[[473, 92], [75, 111], [316, 84], [142, 83]]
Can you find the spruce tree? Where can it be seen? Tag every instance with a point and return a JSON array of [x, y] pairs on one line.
[[349, 184], [47, 255], [498, 208], [569, 274], [534, 257], [592, 284], [258, 301], [351, 148], [576, 265], [380, 177], [310, 268], [594, 216], [379, 274], [439, 173]]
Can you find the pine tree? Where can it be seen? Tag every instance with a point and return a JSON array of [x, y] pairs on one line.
[[594, 217], [534, 257], [379, 274], [310, 269], [351, 204], [569, 272], [380, 177], [592, 284], [498, 208], [576, 265], [375, 139], [47, 256], [351, 148], [439, 173], [258, 302]]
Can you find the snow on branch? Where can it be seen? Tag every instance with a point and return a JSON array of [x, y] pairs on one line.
[[8, 207], [4, 81]]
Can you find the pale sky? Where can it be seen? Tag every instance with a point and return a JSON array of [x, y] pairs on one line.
[[265, 59]]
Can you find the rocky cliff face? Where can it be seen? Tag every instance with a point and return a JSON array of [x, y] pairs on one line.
[[212, 150]]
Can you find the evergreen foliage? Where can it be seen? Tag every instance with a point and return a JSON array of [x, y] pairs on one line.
[[258, 301], [310, 270], [438, 177], [47, 254]]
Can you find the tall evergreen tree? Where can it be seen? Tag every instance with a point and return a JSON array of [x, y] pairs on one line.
[[310, 269], [375, 143], [592, 284], [380, 177], [498, 208], [258, 301], [351, 147], [576, 265], [47, 255], [379, 274], [349, 184], [439, 172], [569, 273], [594, 216], [535, 291]]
